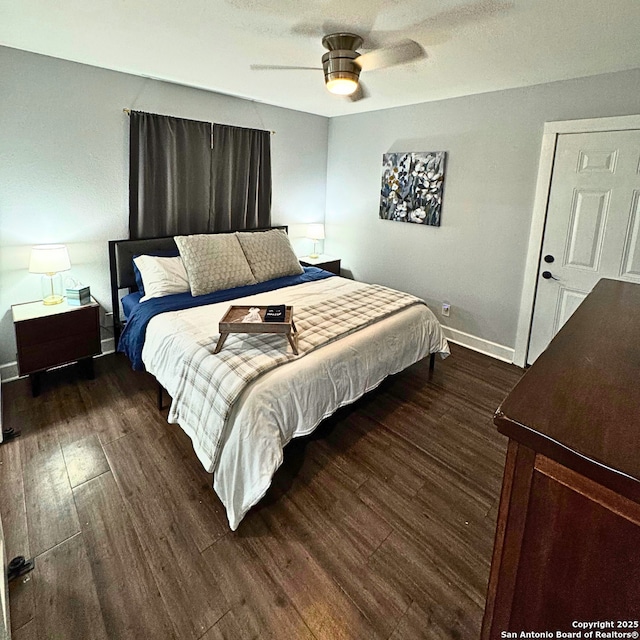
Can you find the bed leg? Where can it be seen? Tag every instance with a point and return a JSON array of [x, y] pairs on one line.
[[159, 397], [432, 361]]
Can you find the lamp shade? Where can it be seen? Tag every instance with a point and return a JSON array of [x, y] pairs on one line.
[[49, 258], [315, 231]]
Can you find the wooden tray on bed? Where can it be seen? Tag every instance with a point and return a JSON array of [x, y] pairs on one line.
[[232, 323]]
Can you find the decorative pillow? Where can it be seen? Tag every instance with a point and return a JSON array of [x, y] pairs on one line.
[[269, 254], [168, 253], [214, 262], [161, 276]]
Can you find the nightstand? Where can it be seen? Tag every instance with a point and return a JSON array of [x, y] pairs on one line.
[[48, 336], [322, 262]]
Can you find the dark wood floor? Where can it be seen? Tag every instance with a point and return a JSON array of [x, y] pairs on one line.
[[380, 525]]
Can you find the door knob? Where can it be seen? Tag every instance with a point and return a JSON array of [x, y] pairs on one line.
[[549, 258], [547, 275]]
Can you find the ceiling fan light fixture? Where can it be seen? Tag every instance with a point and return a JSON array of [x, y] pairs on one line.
[[341, 73], [342, 86]]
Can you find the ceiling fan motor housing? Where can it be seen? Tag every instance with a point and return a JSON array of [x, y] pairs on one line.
[[338, 63]]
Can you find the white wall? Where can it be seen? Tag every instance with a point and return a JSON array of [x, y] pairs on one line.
[[475, 259], [64, 165]]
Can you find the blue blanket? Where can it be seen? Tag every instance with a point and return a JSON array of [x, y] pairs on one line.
[[132, 338]]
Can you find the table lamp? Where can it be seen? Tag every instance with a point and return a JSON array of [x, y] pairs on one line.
[[50, 260], [315, 232]]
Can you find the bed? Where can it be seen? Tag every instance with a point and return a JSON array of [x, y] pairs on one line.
[[240, 407]]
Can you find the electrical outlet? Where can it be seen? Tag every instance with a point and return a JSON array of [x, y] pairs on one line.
[[446, 308]]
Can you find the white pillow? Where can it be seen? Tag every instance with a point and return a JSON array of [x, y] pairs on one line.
[[161, 276]]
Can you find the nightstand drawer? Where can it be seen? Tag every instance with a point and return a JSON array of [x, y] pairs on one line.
[[62, 350], [39, 330]]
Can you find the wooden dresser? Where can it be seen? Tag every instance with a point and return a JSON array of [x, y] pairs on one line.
[[567, 546]]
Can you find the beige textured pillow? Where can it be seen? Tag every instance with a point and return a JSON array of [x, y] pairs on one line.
[[269, 254], [214, 262]]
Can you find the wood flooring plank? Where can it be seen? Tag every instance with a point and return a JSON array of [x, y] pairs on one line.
[[28, 631], [65, 595], [328, 506], [84, 459], [417, 384], [325, 608], [335, 545], [449, 442], [458, 560], [423, 623], [51, 511], [227, 628], [75, 421], [382, 453], [452, 502], [12, 501], [108, 404], [194, 505], [188, 586], [21, 601], [259, 605], [410, 568], [336, 552], [13, 506], [129, 598]]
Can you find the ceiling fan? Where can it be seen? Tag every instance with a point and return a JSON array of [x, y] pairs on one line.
[[342, 63]]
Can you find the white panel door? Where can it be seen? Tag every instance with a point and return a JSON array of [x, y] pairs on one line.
[[592, 228]]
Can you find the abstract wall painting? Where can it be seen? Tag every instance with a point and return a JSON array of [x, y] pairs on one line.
[[412, 185]]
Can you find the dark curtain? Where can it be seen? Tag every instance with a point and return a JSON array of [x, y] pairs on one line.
[[240, 179], [179, 185], [169, 175]]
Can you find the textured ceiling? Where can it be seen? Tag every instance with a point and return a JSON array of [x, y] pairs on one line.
[[472, 47]]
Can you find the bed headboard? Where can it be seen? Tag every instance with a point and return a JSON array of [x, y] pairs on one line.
[[121, 253]]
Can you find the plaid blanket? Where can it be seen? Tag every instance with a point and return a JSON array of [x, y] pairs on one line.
[[211, 383]]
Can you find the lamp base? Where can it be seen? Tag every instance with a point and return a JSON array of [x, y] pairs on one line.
[[315, 253], [52, 288]]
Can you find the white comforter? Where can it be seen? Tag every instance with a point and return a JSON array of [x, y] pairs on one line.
[[291, 400]]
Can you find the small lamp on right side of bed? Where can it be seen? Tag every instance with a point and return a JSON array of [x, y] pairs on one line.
[[315, 232]]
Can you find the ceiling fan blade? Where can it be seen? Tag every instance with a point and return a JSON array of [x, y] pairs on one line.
[[277, 67], [399, 53], [359, 94]]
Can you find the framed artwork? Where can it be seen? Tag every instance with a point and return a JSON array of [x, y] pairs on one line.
[[412, 184]]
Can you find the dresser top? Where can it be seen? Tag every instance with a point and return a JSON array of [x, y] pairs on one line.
[[580, 402]]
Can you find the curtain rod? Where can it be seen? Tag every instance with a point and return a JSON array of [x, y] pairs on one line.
[[128, 112]]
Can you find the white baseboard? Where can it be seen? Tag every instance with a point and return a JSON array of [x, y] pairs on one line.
[[108, 346], [498, 351], [9, 371]]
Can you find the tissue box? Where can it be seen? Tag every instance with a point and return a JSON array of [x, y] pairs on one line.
[[77, 296]]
